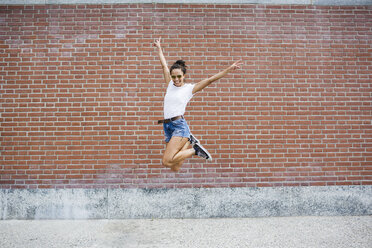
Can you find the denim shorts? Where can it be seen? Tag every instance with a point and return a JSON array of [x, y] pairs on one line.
[[177, 128]]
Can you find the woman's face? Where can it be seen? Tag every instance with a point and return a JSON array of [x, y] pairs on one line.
[[177, 77]]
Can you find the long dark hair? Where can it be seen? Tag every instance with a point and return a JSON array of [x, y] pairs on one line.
[[179, 64]]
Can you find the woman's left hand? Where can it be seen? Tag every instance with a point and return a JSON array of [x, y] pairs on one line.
[[236, 65]]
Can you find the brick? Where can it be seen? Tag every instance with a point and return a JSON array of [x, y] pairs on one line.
[[79, 110]]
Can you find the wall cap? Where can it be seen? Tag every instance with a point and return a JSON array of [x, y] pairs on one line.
[[274, 2]]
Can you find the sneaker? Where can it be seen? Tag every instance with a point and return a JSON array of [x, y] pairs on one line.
[[193, 140], [202, 152]]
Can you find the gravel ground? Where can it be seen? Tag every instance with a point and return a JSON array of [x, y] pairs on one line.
[[297, 232]]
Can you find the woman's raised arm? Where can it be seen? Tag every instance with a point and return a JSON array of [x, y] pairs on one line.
[[204, 83], [166, 73]]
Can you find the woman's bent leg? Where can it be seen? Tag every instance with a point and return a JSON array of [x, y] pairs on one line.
[[177, 167], [176, 152]]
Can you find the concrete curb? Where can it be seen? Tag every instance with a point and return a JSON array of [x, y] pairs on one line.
[[185, 203]]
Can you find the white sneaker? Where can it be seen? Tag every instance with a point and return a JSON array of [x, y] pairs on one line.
[[202, 152], [193, 140]]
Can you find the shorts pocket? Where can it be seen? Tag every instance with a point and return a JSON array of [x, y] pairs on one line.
[[179, 122]]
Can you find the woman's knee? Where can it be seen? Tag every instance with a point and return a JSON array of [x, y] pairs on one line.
[[167, 163]]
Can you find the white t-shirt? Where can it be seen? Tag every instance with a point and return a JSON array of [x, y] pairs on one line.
[[176, 99]]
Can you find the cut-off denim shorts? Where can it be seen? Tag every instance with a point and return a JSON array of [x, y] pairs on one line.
[[177, 128]]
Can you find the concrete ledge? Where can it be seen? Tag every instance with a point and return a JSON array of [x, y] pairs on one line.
[[284, 2], [53, 204], [184, 203]]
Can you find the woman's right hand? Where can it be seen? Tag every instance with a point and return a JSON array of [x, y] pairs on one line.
[[157, 43]]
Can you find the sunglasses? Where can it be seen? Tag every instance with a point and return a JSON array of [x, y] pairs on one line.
[[178, 76]]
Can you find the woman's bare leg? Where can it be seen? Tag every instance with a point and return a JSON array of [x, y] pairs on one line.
[[176, 152], [178, 166]]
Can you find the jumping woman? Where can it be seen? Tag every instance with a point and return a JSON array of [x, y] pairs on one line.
[[177, 133]]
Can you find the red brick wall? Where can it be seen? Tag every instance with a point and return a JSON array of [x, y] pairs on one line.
[[82, 88]]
